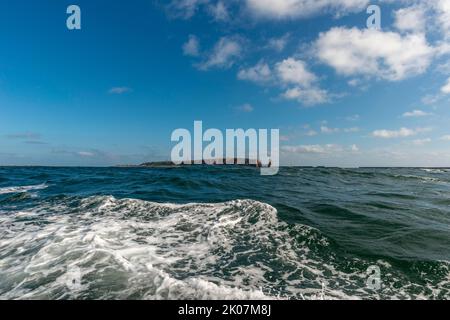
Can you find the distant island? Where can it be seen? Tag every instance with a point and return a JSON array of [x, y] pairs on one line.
[[212, 162]]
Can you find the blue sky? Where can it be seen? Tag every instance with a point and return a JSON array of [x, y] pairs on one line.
[[113, 92]]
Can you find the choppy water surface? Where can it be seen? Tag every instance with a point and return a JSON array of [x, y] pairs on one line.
[[223, 233]]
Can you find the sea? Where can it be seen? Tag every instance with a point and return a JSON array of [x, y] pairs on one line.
[[224, 232]]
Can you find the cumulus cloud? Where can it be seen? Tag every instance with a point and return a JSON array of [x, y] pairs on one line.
[[416, 114], [411, 19], [442, 8], [290, 74], [280, 9], [278, 44], [446, 88], [219, 11], [307, 96], [374, 53], [401, 133], [293, 72], [224, 54], [192, 47], [269, 9], [184, 8], [259, 73], [359, 54]]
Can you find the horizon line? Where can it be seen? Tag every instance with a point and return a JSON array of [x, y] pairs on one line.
[[223, 165]]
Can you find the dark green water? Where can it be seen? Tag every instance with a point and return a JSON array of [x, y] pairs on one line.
[[223, 232]]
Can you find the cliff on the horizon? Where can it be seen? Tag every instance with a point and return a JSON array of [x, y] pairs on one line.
[[235, 161]]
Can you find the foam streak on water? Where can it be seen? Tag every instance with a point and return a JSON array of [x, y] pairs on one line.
[[7, 190]]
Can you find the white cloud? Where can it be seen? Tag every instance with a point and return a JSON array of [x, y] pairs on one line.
[[445, 138], [354, 82], [411, 19], [292, 74], [192, 47], [401, 133], [386, 55], [278, 44], [119, 90], [224, 54], [259, 73], [446, 88], [416, 114], [307, 96], [247, 108], [443, 16], [354, 148], [328, 130], [185, 8], [279, 9], [443, 48], [314, 149], [219, 11], [293, 71]]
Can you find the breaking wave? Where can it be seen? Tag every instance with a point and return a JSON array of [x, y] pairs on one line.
[[102, 247]]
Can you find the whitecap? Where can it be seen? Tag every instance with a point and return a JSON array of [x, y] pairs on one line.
[[20, 189]]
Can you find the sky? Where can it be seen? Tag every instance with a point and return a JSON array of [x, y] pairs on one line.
[[113, 92]]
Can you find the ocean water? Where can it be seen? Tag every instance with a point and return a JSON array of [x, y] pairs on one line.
[[223, 233]]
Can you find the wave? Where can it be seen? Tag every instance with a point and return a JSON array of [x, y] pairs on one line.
[[102, 247], [436, 171], [20, 189], [423, 179]]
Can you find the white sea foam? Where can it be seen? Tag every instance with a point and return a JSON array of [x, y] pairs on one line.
[[6, 190], [108, 248], [436, 171]]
